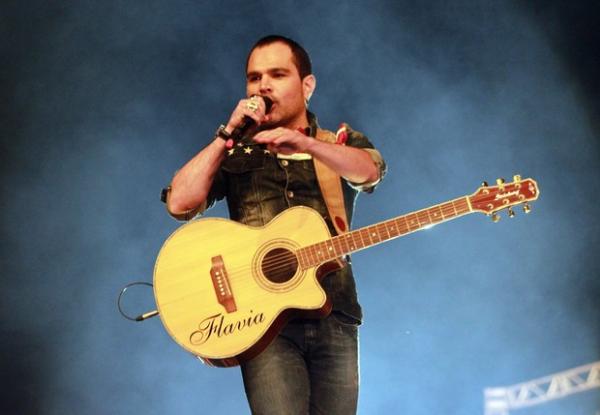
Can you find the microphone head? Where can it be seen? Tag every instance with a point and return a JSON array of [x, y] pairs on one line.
[[268, 104]]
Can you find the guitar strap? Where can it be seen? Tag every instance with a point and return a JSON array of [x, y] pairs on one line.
[[331, 187]]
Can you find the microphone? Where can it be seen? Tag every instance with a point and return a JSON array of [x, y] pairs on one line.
[[248, 122]]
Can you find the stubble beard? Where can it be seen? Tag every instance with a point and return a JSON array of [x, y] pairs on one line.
[[291, 121]]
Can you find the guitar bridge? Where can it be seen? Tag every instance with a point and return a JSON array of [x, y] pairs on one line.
[[220, 281]]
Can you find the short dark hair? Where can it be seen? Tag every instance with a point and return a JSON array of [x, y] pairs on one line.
[[301, 58]]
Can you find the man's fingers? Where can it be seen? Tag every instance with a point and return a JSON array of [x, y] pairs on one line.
[[268, 135]]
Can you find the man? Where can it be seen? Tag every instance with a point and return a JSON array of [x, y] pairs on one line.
[[312, 366]]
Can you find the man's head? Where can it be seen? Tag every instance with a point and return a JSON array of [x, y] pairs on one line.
[[300, 56], [279, 68]]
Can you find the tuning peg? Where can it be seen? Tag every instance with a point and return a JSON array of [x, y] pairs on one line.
[[500, 181], [495, 217], [526, 208], [511, 214], [484, 184], [517, 178]]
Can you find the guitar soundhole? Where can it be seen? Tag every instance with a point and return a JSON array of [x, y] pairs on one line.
[[279, 265]]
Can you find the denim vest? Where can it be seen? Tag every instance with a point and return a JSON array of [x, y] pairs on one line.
[[258, 186]]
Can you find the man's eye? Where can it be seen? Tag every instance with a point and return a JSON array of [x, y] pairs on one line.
[[253, 78]]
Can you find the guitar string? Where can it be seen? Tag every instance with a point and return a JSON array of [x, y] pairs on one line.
[[281, 261], [273, 266], [358, 239], [447, 209], [238, 276], [274, 263], [359, 235]]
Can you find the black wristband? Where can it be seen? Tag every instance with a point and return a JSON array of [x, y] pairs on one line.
[[222, 133]]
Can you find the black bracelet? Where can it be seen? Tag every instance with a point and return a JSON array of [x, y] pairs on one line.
[[164, 194], [222, 133]]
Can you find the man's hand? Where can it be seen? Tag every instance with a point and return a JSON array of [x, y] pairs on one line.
[[253, 107], [354, 164], [284, 141]]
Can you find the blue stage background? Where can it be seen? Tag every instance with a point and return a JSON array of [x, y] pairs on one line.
[[104, 101]]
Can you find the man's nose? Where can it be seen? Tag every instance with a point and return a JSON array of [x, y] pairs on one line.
[[265, 85]]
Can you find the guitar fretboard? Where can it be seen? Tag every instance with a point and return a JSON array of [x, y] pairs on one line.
[[316, 254]]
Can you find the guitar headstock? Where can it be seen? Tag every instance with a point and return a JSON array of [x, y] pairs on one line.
[[491, 199]]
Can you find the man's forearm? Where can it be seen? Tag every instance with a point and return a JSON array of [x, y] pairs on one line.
[[191, 184], [354, 164]]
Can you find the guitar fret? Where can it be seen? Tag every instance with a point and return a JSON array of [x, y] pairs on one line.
[[313, 252], [368, 233], [454, 207], [317, 251], [330, 251], [340, 250], [402, 225], [362, 237], [414, 222], [375, 233], [307, 262], [450, 211], [359, 241], [355, 240], [404, 228], [386, 231], [441, 213], [391, 228], [429, 217], [380, 228], [424, 221], [309, 257], [326, 250], [441, 209], [436, 214], [299, 254], [418, 215], [344, 241]]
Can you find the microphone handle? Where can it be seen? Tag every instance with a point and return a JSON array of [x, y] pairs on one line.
[[248, 122], [240, 130]]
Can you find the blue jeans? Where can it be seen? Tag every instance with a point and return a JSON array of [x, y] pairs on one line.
[[310, 368]]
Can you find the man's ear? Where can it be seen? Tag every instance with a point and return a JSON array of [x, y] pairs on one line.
[[309, 83]]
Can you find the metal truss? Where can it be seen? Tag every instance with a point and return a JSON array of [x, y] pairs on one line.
[[499, 400]]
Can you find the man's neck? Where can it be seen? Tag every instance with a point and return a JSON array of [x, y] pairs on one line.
[[299, 122]]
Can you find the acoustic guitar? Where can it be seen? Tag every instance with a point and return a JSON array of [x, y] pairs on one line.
[[224, 290]]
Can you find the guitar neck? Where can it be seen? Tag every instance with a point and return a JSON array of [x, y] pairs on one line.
[[316, 254]]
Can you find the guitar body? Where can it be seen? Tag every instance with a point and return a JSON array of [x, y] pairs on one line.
[[224, 290]]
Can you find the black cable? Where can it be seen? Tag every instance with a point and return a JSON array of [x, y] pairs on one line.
[[141, 317]]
